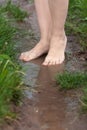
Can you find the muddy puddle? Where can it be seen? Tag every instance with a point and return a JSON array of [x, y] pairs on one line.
[[45, 107]]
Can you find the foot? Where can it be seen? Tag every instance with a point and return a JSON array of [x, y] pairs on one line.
[[41, 48], [56, 52]]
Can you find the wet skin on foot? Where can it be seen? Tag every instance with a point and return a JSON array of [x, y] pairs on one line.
[[55, 52]]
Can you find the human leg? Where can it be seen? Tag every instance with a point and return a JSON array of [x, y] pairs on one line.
[[58, 10], [44, 19]]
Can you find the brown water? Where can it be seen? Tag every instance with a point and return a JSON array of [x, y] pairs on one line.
[[50, 108], [45, 106]]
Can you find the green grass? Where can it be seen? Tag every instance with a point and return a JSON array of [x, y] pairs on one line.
[[14, 11], [76, 25], [74, 80], [7, 33], [10, 72], [8, 14], [31, 1], [10, 82], [69, 80], [77, 21], [84, 99]]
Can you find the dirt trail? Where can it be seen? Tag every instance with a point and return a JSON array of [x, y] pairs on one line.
[[45, 107]]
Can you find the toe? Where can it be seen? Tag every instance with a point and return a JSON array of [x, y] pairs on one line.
[[54, 62], [25, 56], [46, 62], [50, 63], [21, 56], [57, 62], [61, 60]]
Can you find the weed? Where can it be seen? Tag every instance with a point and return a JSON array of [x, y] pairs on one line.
[[77, 21], [7, 33], [10, 79], [10, 72], [73, 80], [14, 11]]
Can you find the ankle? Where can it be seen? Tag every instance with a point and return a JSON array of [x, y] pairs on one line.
[[59, 37], [46, 37], [59, 34], [44, 40]]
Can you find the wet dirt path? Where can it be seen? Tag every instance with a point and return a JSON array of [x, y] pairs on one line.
[[45, 106]]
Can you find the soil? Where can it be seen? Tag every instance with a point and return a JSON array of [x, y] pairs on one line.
[[44, 106]]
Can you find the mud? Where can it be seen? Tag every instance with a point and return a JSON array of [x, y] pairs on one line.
[[45, 107]]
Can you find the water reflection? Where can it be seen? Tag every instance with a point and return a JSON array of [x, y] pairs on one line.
[[51, 109], [48, 106]]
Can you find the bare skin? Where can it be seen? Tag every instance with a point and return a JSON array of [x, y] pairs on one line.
[[56, 53], [41, 48], [53, 40], [44, 20]]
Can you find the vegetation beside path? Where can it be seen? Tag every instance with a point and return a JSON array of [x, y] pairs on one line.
[[76, 25], [77, 21], [74, 80], [10, 72]]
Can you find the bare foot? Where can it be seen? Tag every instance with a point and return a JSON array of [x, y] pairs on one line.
[[56, 52], [41, 48]]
